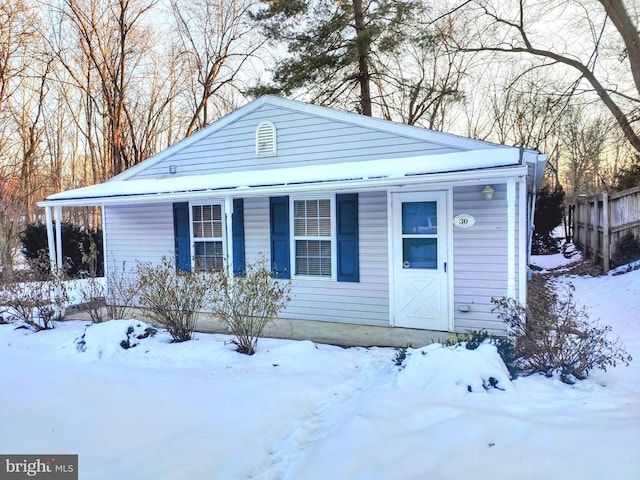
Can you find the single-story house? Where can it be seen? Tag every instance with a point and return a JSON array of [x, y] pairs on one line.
[[375, 223]]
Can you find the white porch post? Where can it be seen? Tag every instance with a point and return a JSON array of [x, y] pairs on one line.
[[57, 215], [511, 238], [523, 240], [51, 242], [104, 243], [228, 211]]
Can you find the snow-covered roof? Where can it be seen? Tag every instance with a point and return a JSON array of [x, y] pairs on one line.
[[368, 173], [445, 156]]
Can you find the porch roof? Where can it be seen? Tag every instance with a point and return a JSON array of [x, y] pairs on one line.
[[475, 164]]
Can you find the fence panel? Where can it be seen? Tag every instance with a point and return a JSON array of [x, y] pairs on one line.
[[599, 221]]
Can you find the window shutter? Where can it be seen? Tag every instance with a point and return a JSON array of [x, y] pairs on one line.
[[347, 237], [182, 236], [279, 219], [237, 227]]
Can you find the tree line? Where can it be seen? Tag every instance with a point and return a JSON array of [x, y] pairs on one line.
[[89, 88]]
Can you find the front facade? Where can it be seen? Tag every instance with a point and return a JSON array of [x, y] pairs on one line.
[[373, 222]]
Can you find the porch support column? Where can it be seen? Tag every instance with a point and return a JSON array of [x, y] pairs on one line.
[[51, 239], [228, 212], [524, 233], [57, 215], [511, 238]]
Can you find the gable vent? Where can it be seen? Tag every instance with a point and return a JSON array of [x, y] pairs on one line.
[[266, 140]]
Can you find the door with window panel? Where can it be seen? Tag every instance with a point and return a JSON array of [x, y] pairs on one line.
[[207, 228], [420, 290]]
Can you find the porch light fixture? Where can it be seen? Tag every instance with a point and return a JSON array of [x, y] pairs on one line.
[[487, 192], [172, 169]]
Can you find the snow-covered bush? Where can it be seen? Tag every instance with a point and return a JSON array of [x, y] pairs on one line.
[[504, 346], [173, 299], [247, 303], [454, 369], [557, 337], [108, 338]]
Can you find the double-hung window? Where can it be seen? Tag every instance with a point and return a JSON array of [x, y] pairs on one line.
[[313, 237], [207, 234]]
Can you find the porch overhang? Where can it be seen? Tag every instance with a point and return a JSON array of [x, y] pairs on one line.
[[461, 167]]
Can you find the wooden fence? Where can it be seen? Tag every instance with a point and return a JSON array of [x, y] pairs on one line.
[[600, 220]]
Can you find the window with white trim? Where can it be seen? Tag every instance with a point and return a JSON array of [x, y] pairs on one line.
[[208, 239], [313, 237]]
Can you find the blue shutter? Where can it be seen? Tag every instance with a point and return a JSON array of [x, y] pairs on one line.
[[237, 232], [181, 235], [279, 220], [347, 237]]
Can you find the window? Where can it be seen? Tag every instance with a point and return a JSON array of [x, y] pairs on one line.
[[313, 237], [420, 235], [206, 221], [266, 140]]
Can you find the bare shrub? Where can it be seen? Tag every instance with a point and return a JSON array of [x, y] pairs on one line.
[[92, 288], [249, 302], [121, 287], [93, 291], [173, 299], [37, 304], [557, 337]]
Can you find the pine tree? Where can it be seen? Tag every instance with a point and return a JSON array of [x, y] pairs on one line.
[[548, 215], [333, 47]]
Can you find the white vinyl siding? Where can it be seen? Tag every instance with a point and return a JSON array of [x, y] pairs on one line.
[[138, 233], [480, 258], [144, 232], [302, 139]]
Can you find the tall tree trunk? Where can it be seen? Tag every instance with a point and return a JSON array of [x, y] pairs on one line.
[[364, 46]]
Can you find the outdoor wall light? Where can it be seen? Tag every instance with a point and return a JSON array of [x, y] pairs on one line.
[[172, 169], [487, 192]]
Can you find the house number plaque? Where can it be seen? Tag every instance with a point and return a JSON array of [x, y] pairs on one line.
[[464, 220]]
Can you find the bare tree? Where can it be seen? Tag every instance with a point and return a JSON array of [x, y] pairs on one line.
[[27, 114], [113, 41], [422, 79], [10, 209], [217, 42], [584, 140], [598, 41]]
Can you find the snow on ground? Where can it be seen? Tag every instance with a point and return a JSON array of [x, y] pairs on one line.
[[557, 260], [298, 410]]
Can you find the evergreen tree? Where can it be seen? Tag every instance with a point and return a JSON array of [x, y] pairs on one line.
[[333, 47], [628, 177], [548, 215]]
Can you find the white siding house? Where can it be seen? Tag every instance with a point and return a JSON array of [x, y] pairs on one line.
[[374, 223]]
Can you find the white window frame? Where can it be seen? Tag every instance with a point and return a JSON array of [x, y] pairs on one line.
[[195, 239], [332, 238]]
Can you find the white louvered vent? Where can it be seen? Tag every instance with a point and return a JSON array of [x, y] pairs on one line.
[[266, 140]]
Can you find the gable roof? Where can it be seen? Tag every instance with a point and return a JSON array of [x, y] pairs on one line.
[[439, 142], [446, 155]]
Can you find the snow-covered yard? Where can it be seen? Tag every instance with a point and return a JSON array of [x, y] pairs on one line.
[[296, 410]]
